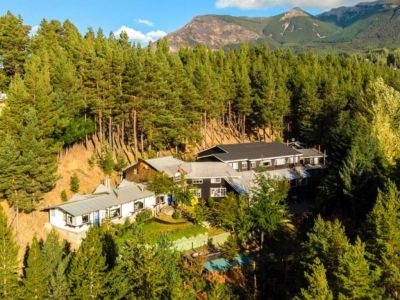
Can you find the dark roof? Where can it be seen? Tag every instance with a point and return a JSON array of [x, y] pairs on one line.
[[251, 151]]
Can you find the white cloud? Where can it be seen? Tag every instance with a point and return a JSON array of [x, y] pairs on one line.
[[34, 30], [138, 36], [254, 4], [145, 22]]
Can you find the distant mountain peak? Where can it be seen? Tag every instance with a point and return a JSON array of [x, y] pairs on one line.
[[294, 12]]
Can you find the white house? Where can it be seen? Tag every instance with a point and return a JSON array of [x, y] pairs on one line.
[[117, 204]]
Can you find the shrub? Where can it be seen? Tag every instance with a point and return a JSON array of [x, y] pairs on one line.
[[92, 160], [176, 215], [230, 249], [120, 164], [74, 183], [107, 163], [143, 216], [64, 197]]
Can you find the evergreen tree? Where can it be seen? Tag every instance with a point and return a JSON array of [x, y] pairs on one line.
[[383, 225], [35, 279], [9, 287], [74, 183], [14, 39], [328, 242], [317, 288], [356, 279], [147, 271], [268, 210], [55, 262], [88, 268]]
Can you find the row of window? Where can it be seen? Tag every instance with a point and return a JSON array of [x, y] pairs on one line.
[[235, 165], [213, 180], [214, 192], [112, 213]]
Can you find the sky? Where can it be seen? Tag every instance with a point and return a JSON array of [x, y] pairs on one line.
[[148, 20]]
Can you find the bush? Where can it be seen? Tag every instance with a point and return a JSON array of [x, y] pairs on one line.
[[143, 216], [64, 197], [230, 249], [92, 160], [176, 215], [107, 163], [74, 183], [120, 164]]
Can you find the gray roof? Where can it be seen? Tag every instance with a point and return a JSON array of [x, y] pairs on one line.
[[310, 153], [208, 170], [284, 174], [168, 164], [83, 204], [252, 151]]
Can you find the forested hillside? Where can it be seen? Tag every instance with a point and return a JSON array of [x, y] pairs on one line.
[[64, 87]]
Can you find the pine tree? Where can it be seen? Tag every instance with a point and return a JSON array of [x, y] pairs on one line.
[[14, 39], [356, 279], [147, 271], [383, 225], [74, 183], [55, 263], [268, 211], [328, 242], [35, 279], [317, 288], [88, 268], [9, 287]]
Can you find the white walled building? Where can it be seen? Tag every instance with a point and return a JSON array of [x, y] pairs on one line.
[[118, 204]]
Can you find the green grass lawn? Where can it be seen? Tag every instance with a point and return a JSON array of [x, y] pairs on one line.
[[175, 231]]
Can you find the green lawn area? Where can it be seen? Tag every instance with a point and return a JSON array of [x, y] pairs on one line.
[[176, 231]]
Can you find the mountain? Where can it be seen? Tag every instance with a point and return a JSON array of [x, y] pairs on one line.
[[366, 25]]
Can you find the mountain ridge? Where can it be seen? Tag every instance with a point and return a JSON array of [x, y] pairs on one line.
[[363, 26]]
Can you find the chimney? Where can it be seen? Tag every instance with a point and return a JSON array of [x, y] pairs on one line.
[[107, 183]]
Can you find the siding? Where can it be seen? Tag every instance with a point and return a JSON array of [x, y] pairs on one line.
[[207, 185]]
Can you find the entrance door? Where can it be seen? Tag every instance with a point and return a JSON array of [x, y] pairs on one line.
[[96, 218]]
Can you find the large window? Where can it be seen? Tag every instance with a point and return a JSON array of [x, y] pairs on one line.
[[114, 213], [69, 219], [138, 205], [215, 180], [197, 181], [85, 219], [217, 192]]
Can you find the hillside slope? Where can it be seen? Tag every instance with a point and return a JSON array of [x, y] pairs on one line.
[[366, 25]]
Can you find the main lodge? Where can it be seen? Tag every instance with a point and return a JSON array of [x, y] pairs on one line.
[[218, 171]]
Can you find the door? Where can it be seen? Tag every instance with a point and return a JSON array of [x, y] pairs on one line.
[[96, 218]]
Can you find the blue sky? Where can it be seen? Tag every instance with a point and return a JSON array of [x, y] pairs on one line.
[[149, 19]]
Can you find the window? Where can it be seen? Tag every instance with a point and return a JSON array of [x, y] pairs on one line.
[[235, 166], [197, 181], [160, 200], [217, 192], [114, 213], [196, 193], [253, 164], [70, 220], [244, 165], [267, 163], [215, 180], [85, 219], [138, 205]]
